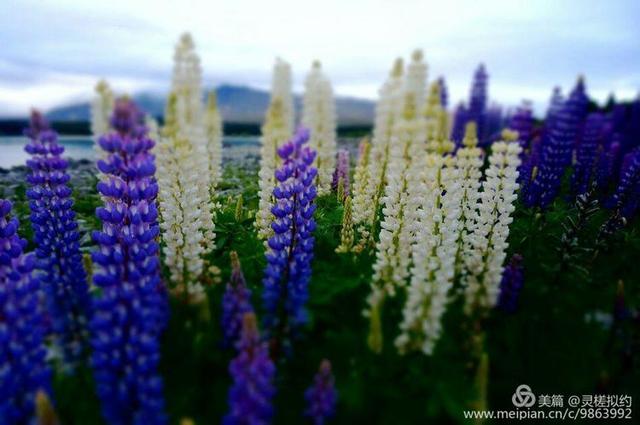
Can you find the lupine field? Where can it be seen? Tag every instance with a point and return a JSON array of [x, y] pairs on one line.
[[429, 268]]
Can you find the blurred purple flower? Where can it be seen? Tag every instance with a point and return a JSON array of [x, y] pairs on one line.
[[511, 285], [341, 173], [321, 397], [236, 302]]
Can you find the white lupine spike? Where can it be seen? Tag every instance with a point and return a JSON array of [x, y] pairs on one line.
[[281, 89], [101, 110], [433, 255], [319, 116], [469, 163], [415, 82], [277, 129], [186, 85], [387, 113], [361, 200], [485, 256], [397, 229]]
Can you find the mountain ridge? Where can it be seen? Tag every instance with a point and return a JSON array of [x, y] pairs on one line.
[[240, 104]]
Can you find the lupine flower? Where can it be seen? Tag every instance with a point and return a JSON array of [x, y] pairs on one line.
[[187, 166], [321, 397], [346, 231], [23, 369], [459, 123], [56, 236], [586, 154], [433, 113], [361, 181], [522, 122], [485, 254], [511, 285], [478, 102], [387, 112], [277, 129], [469, 160], [236, 302], [608, 157], [252, 372], [101, 109], [131, 311], [393, 250], [557, 149], [433, 252], [444, 93], [288, 270], [340, 182], [191, 127], [319, 116], [627, 195]]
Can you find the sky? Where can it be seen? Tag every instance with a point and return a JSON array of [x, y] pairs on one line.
[[53, 52]]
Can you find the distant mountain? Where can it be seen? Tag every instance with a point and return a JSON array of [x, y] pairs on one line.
[[237, 104]]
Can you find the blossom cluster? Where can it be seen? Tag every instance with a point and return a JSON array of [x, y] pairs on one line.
[[484, 257], [288, 270], [131, 310], [189, 161], [23, 367], [277, 129], [236, 302], [253, 373], [341, 180], [57, 239], [319, 116], [393, 249], [322, 396], [511, 285]]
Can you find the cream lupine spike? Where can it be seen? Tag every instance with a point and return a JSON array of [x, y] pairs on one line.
[[277, 129], [346, 230], [101, 110], [433, 112], [484, 261], [179, 206], [319, 116], [387, 113], [393, 250], [213, 132], [469, 163], [433, 251], [186, 84], [361, 201], [281, 89]]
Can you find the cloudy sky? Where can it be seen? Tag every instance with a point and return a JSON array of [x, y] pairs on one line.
[[53, 52]]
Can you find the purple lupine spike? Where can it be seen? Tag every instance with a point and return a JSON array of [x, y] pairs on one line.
[[56, 235], [341, 173], [555, 104], [607, 159], [511, 285], [127, 118], [478, 102], [459, 123], [626, 198], [236, 301], [444, 93], [132, 309], [522, 122], [556, 151], [586, 153], [23, 367], [252, 372], [321, 397], [494, 123], [288, 270]]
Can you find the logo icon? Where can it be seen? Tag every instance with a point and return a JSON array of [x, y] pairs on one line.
[[523, 397]]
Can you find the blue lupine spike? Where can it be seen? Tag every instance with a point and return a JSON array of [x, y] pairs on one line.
[[23, 367], [288, 270], [627, 195], [511, 285], [586, 153], [132, 309], [236, 301], [322, 396], [459, 123], [444, 93], [253, 372], [478, 102], [56, 236]]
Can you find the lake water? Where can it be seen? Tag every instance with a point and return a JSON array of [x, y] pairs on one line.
[[81, 147]]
